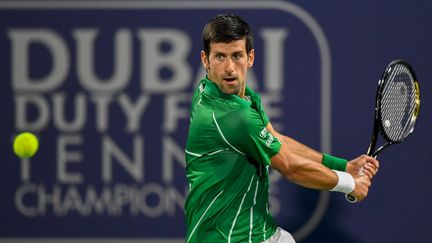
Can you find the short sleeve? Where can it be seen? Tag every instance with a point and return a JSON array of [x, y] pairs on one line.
[[246, 131]]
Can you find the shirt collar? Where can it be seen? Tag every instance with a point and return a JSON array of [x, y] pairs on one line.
[[213, 89]]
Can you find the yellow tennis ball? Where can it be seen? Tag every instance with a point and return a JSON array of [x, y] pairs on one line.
[[25, 145]]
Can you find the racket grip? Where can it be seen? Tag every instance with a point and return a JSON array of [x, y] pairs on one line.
[[350, 198]]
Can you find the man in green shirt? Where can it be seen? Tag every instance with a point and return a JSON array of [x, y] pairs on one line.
[[231, 144]]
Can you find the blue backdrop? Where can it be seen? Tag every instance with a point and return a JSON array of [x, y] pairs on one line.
[[106, 87]]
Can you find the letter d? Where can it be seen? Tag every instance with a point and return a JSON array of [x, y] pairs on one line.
[[24, 105], [21, 40]]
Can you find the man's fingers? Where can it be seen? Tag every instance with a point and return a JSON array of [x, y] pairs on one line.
[[371, 168], [373, 161], [367, 182], [368, 173]]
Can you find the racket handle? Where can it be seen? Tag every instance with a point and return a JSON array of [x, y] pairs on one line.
[[350, 198]]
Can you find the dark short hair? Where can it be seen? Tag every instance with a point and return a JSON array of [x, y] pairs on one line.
[[225, 28]]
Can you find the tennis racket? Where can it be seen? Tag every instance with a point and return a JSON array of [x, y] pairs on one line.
[[397, 107]]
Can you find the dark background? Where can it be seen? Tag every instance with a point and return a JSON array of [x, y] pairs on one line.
[[363, 37]]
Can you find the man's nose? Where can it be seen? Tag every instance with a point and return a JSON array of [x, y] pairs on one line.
[[229, 66]]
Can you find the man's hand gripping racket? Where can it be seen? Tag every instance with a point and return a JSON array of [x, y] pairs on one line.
[[397, 107]]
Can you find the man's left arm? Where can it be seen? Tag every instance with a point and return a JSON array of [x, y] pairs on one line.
[[367, 164]]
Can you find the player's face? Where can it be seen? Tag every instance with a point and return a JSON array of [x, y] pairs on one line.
[[227, 66]]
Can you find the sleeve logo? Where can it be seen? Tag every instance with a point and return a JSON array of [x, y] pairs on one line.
[[265, 135]]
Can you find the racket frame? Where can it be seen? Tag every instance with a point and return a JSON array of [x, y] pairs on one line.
[[378, 125]]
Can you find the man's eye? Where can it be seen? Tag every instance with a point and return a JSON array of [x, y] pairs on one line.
[[219, 57], [237, 56]]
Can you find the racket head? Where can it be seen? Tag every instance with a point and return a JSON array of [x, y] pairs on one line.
[[397, 102]]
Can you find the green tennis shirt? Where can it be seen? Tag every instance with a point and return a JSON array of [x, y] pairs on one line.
[[228, 153]]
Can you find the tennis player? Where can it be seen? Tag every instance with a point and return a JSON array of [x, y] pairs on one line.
[[231, 144]]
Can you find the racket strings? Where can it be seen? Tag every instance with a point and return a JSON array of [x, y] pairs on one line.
[[398, 104], [402, 114]]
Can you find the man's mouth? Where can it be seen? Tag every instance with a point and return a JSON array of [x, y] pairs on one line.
[[230, 80]]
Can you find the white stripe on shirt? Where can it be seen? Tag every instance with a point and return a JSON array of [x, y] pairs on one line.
[[223, 137], [202, 216], [238, 211], [251, 213]]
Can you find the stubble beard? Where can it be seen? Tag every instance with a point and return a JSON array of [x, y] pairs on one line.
[[230, 89]]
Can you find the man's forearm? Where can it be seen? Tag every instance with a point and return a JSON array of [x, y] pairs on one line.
[[303, 150], [297, 147]]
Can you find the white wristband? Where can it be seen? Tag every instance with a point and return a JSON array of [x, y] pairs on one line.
[[345, 184]]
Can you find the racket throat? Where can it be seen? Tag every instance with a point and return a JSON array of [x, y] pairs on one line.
[[375, 154]]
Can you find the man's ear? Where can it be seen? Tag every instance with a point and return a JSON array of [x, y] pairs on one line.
[[204, 60], [251, 58]]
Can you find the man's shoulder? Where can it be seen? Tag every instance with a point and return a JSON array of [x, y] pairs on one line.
[[230, 107], [236, 118]]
